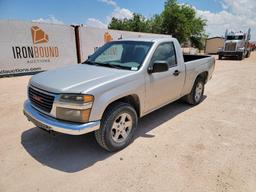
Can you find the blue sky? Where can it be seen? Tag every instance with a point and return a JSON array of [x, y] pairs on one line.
[[221, 14]]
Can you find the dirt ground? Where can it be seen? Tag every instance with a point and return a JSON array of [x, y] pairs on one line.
[[210, 147]]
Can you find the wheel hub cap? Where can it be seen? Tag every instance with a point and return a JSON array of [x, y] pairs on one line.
[[121, 127], [199, 91]]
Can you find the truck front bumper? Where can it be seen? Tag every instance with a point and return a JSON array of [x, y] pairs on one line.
[[52, 124], [230, 54]]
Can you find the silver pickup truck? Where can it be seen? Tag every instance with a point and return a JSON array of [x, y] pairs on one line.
[[121, 82]]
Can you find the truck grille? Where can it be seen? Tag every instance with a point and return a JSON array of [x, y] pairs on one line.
[[40, 100], [230, 47]]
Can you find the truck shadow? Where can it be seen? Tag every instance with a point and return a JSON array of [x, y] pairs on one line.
[[74, 153]]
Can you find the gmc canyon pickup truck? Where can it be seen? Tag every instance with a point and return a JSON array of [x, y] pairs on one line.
[[121, 82]]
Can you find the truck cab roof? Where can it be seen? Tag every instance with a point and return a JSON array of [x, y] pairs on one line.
[[157, 39]]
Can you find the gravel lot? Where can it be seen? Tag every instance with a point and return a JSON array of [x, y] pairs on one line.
[[210, 147]]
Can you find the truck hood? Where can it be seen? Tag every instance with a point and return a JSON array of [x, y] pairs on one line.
[[76, 78]]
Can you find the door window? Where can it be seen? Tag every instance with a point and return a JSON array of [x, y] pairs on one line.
[[165, 52]]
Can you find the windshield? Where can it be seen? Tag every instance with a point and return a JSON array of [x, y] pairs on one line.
[[127, 55], [240, 37]]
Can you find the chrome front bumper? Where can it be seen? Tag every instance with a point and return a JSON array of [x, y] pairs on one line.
[[52, 124], [230, 53]]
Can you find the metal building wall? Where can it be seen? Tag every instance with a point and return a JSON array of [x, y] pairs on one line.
[[30, 47]]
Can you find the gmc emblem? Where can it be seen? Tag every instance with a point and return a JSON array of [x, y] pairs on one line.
[[37, 98]]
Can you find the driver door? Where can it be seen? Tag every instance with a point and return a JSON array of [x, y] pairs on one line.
[[164, 87]]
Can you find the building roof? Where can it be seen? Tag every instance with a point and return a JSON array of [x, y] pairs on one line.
[[215, 38]]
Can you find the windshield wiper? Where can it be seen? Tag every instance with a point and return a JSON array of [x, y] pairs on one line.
[[107, 65], [90, 62], [116, 66]]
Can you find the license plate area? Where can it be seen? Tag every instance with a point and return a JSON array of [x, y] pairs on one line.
[[39, 124]]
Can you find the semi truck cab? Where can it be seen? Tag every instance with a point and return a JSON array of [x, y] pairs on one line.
[[236, 45]]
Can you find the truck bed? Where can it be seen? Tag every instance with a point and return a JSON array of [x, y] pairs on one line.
[[196, 64], [188, 58]]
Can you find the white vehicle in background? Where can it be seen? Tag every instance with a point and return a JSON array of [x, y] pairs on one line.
[[236, 45], [121, 82]]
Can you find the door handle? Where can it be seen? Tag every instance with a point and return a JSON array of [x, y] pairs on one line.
[[176, 73]]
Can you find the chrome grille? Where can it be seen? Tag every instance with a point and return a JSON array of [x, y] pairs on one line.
[[40, 99], [230, 47]]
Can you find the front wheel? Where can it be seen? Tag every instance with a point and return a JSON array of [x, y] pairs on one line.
[[197, 92], [117, 127], [241, 57], [248, 54]]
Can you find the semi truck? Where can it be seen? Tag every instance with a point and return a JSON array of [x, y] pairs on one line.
[[121, 82], [236, 45]]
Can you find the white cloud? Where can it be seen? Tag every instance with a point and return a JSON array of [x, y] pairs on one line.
[[236, 15], [92, 22], [110, 2], [118, 12], [122, 13], [50, 19], [240, 7]]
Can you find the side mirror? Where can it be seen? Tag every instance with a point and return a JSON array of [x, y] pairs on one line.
[[158, 66]]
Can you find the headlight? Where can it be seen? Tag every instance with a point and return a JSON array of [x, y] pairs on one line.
[[75, 108], [75, 115], [241, 49], [80, 99]]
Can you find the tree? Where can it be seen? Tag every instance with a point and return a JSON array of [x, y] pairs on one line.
[[137, 23], [198, 42], [116, 24], [178, 20], [155, 24], [181, 21]]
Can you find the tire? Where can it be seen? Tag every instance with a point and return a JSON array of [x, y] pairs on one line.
[[220, 57], [117, 127], [248, 54], [241, 57], [195, 97]]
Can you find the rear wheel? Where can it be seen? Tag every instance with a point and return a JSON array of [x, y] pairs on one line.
[[117, 127], [197, 92]]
